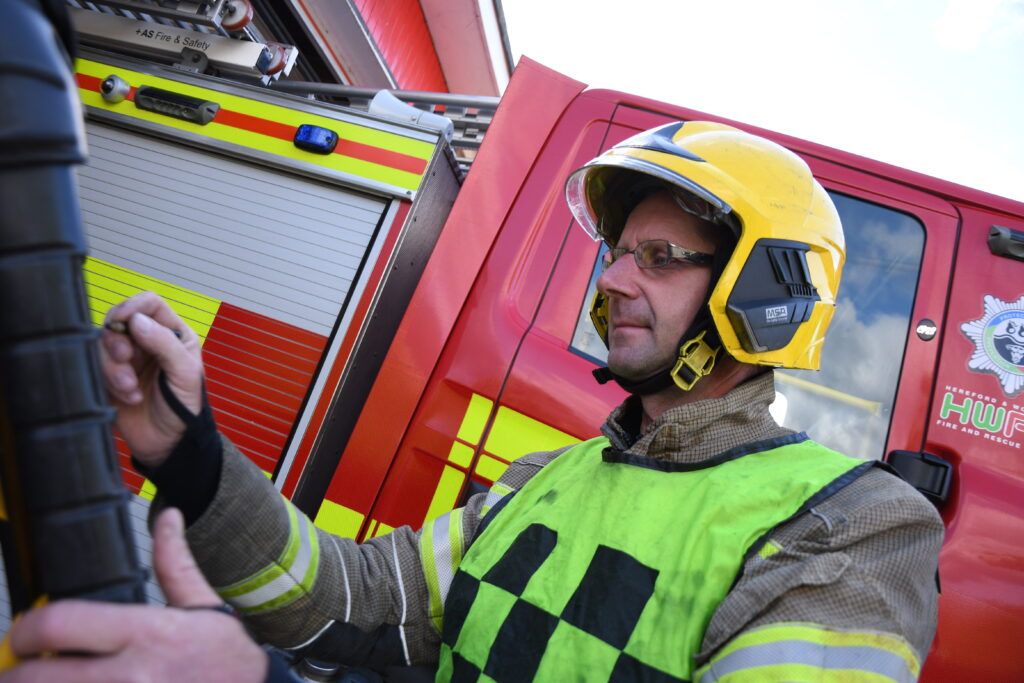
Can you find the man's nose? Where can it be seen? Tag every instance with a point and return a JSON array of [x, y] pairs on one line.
[[620, 278]]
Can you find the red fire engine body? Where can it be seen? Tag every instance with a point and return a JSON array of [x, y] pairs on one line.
[[369, 425]]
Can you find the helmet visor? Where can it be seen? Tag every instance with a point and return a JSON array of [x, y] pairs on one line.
[[602, 195]]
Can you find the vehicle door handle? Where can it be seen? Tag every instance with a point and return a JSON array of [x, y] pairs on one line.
[[928, 473]]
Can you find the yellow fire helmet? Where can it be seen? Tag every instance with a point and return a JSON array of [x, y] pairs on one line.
[[774, 291]]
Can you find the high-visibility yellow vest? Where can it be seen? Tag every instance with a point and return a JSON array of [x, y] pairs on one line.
[[609, 567]]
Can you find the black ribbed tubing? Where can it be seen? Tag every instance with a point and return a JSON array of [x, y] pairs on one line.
[[68, 533]]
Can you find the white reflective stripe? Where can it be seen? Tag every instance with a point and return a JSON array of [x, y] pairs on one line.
[[401, 589], [344, 576], [448, 547], [294, 575], [856, 658], [312, 640]]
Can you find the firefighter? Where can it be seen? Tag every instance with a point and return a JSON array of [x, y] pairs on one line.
[[695, 539]]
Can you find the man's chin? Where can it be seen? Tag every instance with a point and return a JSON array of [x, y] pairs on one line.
[[632, 372]]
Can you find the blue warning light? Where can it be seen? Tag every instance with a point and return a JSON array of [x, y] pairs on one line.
[[316, 139]]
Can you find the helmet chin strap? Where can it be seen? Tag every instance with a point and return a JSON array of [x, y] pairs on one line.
[[698, 350]]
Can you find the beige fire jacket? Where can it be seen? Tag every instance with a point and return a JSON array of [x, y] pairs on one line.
[[856, 573]]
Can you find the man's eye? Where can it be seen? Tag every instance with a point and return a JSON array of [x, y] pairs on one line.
[[655, 255]]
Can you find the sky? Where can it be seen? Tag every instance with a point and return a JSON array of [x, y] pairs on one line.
[[936, 86]]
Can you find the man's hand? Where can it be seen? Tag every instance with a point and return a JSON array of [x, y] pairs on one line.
[[114, 643], [131, 365]]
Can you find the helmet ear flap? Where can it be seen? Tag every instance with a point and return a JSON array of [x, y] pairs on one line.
[[599, 315], [772, 296]]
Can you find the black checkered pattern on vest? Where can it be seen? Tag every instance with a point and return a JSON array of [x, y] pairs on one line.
[[606, 605]]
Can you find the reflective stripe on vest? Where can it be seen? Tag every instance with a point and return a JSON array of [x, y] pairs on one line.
[[610, 567]]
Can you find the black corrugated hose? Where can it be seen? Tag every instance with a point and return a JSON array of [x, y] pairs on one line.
[[68, 532]]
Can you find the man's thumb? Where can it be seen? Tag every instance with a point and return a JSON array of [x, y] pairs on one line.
[[176, 569]]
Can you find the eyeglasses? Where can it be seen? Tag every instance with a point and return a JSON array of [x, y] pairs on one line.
[[656, 254]]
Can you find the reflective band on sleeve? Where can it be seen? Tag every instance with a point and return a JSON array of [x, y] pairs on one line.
[[496, 493], [810, 652], [768, 549], [441, 548], [287, 579]]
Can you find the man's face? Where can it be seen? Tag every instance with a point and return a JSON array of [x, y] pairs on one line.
[[649, 309]]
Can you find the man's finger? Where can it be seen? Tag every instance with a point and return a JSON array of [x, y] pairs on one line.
[[75, 626], [121, 380], [66, 670], [179, 362], [176, 570], [152, 305]]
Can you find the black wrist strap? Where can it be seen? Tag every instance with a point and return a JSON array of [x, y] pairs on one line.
[[177, 406], [188, 478]]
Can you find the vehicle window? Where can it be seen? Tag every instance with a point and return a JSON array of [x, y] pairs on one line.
[[584, 339], [848, 404]]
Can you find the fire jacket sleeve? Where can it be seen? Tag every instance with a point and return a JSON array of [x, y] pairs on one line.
[[374, 605], [848, 588]]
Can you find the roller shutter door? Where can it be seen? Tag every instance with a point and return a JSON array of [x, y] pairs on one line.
[[260, 262]]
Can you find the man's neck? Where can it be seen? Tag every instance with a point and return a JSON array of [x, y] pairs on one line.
[[727, 375]]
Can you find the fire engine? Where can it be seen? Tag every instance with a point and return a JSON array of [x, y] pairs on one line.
[[384, 332]]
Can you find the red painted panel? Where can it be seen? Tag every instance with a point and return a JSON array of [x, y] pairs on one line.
[[400, 31], [241, 351], [258, 372], [264, 378], [508, 154], [982, 560], [276, 413], [267, 330], [222, 376], [258, 424], [286, 350], [485, 341]]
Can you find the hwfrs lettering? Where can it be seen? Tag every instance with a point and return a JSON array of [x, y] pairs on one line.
[[982, 416], [998, 337]]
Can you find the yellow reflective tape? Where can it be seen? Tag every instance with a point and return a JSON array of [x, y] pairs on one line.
[[347, 131], [819, 635], [446, 494], [460, 454], [430, 574], [489, 467], [475, 419], [513, 435], [107, 285], [274, 112], [148, 490], [338, 519], [768, 549], [796, 673]]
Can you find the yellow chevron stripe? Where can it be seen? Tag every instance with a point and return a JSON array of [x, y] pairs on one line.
[[513, 435], [107, 285], [338, 520]]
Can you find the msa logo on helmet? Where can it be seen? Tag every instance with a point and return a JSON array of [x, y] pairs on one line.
[[998, 337], [776, 314]]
